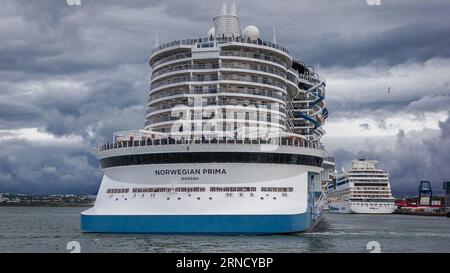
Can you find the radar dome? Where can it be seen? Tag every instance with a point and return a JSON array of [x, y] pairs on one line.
[[212, 32], [251, 32]]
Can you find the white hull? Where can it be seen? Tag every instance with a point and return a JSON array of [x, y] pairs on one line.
[[250, 197], [368, 208], [187, 203], [373, 208]]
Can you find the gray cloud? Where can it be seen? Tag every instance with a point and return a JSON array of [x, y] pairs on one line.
[[31, 168], [409, 157]]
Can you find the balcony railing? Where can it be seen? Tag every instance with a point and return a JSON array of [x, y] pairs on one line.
[[172, 58], [220, 40], [255, 68], [254, 79], [214, 140], [253, 55], [187, 79], [166, 118], [248, 91], [184, 67], [258, 106]]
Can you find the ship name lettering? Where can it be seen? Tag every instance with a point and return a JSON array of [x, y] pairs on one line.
[[190, 171]]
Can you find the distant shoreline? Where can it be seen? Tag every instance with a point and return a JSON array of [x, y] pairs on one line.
[[419, 213], [45, 205]]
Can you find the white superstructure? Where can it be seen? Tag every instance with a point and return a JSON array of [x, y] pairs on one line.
[[231, 142], [363, 189]]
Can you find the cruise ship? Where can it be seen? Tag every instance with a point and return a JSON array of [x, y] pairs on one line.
[[231, 143], [363, 189]]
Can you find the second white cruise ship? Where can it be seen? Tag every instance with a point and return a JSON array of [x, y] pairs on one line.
[[363, 189], [231, 143]]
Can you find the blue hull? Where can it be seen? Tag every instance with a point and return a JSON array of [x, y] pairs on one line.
[[196, 224]]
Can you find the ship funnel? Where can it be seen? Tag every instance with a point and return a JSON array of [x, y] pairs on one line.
[[227, 24]]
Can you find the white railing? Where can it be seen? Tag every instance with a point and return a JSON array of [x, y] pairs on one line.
[[225, 141], [220, 40]]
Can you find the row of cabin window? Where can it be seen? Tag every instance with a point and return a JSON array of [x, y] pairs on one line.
[[183, 189], [200, 189], [222, 189], [117, 190], [277, 189]]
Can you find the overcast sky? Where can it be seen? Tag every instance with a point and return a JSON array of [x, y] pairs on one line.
[[72, 75]]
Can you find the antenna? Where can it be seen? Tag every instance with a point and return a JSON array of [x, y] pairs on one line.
[[274, 36], [156, 39], [233, 9], [224, 9]]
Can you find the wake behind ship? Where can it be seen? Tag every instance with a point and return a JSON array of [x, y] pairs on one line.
[[231, 143]]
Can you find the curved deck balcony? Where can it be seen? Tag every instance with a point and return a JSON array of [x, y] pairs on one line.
[[217, 40], [258, 93], [252, 55], [263, 72], [186, 68], [161, 121], [161, 108], [248, 80], [281, 141], [171, 58]]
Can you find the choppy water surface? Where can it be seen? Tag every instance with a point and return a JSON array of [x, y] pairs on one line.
[[42, 229]]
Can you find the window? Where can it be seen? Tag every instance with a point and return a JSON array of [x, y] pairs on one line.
[[198, 89], [212, 89]]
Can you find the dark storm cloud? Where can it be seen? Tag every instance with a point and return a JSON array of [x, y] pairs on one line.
[[418, 42], [37, 168], [15, 113], [380, 110], [83, 70], [58, 38]]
